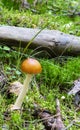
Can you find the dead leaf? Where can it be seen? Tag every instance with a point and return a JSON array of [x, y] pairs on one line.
[[75, 88], [76, 92], [15, 87]]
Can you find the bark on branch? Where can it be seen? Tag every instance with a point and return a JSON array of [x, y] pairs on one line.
[[53, 41]]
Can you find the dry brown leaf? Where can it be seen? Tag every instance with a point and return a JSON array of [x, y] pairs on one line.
[[15, 87]]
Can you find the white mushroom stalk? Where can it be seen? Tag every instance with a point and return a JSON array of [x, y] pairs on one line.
[[23, 92], [29, 66]]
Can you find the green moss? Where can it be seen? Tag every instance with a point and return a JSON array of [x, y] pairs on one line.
[[57, 76]]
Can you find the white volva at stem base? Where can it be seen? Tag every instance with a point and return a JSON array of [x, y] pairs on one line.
[[22, 94]]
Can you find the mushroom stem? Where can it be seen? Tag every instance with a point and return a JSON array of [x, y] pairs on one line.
[[23, 92]]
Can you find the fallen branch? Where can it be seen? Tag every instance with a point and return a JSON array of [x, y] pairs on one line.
[[58, 124], [53, 41], [51, 122]]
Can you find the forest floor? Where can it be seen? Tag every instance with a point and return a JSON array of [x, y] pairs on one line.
[[58, 73]]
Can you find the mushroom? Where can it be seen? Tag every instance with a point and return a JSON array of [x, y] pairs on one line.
[[29, 66]]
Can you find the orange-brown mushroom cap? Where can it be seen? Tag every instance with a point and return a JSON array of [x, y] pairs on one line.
[[31, 66]]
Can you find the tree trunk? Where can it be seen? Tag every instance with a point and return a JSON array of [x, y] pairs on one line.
[[55, 42]]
